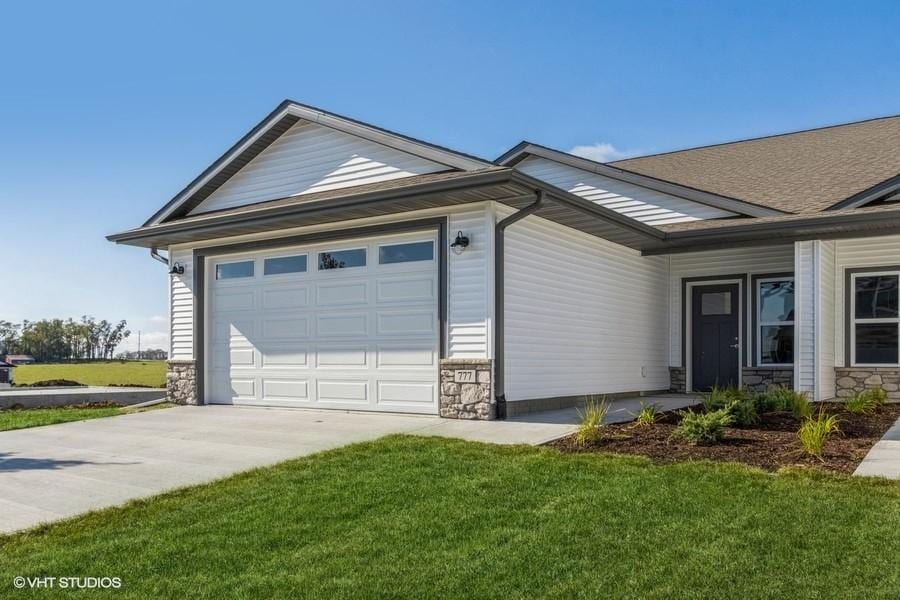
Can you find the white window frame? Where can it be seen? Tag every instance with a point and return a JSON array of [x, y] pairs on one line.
[[760, 323], [263, 258], [364, 248], [853, 320]]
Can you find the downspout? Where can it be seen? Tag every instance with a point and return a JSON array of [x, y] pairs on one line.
[[499, 278], [154, 253]]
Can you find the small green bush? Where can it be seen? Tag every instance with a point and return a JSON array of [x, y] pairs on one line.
[[786, 399], [703, 427], [591, 420], [866, 402], [815, 430], [739, 402], [648, 415]]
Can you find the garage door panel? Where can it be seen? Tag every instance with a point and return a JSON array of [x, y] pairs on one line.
[[406, 322], [233, 331], [226, 358], [421, 289], [285, 328], [342, 325], [408, 355], [283, 356], [405, 393], [285, 389], [343, 293], [285, 298], [336, 357], [235, 299], [343, 391]]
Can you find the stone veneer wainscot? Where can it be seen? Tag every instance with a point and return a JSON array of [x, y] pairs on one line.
[[181, 382], [467, 400], [852, 380]]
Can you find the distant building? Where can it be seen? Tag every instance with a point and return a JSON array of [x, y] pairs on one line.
[[19, 359], [6, 374]]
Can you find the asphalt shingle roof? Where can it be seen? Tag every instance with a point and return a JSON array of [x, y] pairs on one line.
[[803, 172]]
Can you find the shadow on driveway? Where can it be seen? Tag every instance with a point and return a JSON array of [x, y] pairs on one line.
[[10, 464]]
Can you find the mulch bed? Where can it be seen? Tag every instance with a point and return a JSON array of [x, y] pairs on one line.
[[770, 444]]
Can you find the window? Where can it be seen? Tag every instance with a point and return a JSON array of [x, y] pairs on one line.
[[715, 303], [284, 264], [400, 253], [234, 270], [876, 318], [775, 320], [342, 259]]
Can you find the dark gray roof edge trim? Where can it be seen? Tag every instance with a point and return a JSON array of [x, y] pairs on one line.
[[398, 141], [824, 227], [518, 153], [869, 195]]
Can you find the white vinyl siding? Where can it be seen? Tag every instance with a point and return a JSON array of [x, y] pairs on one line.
[[806, 265], [469, 304], [730, 261], [639, 203], [312, 158], [854, 254], [181, 317], [825, 322], [582, 315]]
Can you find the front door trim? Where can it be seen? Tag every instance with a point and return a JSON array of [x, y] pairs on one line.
[[688, 285]]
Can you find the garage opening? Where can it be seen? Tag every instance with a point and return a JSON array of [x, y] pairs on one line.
[[350, 325]]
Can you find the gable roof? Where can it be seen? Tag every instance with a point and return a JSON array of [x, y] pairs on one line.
[[524, 149], [272, 127], [841, 166]]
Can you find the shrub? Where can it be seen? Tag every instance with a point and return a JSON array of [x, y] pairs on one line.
[[648, 415], [739, 402], [591, 420], [53, 383], [784, 398], [703, 427], [815, 430], [865, 402]]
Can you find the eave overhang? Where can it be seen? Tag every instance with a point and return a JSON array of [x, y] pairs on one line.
[[499, 184], [789, 229]]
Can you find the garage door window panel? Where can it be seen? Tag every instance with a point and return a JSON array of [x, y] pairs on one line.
[[389, 254], [235, 270], [285, 265], [342, 259]]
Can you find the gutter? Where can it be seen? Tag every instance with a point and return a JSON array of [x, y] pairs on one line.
[[154, 254], [499, 278]]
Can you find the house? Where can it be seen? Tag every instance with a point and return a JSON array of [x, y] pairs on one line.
[[324, 262], [6, 374], [19, 359]]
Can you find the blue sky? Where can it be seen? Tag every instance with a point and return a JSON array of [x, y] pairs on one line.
[[108, 109]]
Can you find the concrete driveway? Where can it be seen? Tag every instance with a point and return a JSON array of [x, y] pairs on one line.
[[49, 473]]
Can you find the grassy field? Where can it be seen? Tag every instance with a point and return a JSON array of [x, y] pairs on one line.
[[21, 419], [149, 373], [428, 517]]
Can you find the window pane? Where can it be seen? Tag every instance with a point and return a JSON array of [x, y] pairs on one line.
[[342, 259], [776, 345], [776, 301], [405, 253], [285, 264], [235, 270], [876, 343], [715, 303], [876, 297]]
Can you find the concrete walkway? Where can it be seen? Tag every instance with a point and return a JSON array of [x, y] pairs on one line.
[[883, 460], [53, 472]]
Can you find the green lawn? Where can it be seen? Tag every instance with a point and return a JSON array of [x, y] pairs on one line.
[[36, 417], [148, 373], [427, 518]]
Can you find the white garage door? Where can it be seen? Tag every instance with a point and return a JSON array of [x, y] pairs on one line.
[[348, 325]]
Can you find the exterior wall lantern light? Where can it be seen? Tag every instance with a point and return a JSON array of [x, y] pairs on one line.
[[177, 269], [460, 243]]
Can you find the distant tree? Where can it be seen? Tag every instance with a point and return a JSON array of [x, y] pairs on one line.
[[55, 339]]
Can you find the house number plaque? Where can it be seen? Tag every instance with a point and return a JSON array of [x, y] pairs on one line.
[[464, 376]]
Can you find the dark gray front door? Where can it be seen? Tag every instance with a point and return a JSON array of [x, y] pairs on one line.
[[715, 341]]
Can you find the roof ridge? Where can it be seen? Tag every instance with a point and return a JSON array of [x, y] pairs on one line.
[[753, 139]]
